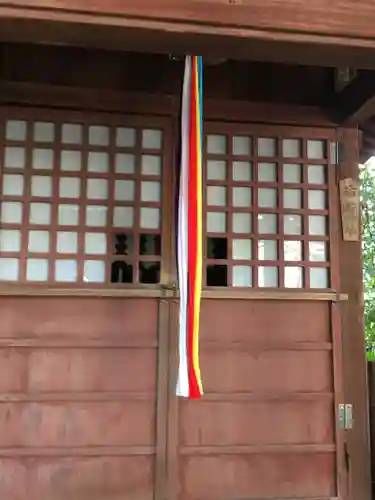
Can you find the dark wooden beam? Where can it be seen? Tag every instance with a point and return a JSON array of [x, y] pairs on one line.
[[356, 102], [114, 33], [335, 25], [108, 100]]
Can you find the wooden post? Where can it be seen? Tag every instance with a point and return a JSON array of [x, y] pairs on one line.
[[354, 355]]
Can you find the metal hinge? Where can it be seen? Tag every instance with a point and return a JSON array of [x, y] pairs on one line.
[[169, 291], [335, 153], [345, 416]]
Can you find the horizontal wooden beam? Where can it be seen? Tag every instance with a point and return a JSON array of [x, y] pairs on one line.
[[118, 32], [165, 294], [92, 99], [340, 21], [356, 102], [86, 99]]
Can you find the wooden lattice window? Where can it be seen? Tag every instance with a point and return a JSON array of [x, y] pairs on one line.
[[81, 200], [267, 208]]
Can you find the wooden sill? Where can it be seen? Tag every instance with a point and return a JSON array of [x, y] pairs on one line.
[[327, 295], [165, 293]]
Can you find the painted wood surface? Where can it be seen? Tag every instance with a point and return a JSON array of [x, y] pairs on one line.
[[338, 18]]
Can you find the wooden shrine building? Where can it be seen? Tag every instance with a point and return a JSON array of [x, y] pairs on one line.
[[90, 98]]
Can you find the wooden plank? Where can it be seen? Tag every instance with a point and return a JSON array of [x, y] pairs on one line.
[[251, 449], [71, 342], [331, 19], [83, 396], [85, 99], [339, 397], [221, 293], [243, 476], [51, 291], [354, 356], [90, 99], [162, 401], [163, 370], [279, 396], [251, 346], [78, 477], [22, 24], [173, 408], [32, 291], [84, 451], [270, 113], [124, 72]]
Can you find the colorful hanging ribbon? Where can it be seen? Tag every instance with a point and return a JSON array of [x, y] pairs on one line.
[[189, 253]]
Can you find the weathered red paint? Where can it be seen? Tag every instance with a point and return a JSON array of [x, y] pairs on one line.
[[81, 379]]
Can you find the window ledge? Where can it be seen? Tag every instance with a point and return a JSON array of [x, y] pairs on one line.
[[159, 292]]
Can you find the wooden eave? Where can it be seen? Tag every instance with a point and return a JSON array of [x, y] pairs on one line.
[[266, 31]]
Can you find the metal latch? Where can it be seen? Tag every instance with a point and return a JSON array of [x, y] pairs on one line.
[[345, 416], [171, 287]]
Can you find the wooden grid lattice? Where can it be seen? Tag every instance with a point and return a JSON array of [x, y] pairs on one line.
[[81, 201], [267, 208]]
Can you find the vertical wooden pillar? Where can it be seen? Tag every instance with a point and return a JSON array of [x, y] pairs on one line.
[[162, 399], [354, 355], [371, 383]]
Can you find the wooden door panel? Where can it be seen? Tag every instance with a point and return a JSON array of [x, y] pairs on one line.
[[228, 423], [78, 398], [97, 369], [265, 371], [58, 478], [251, 321], [260, 475], [93, 477], [79, 318], [266, 426], [76, 369], [78, 424]]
